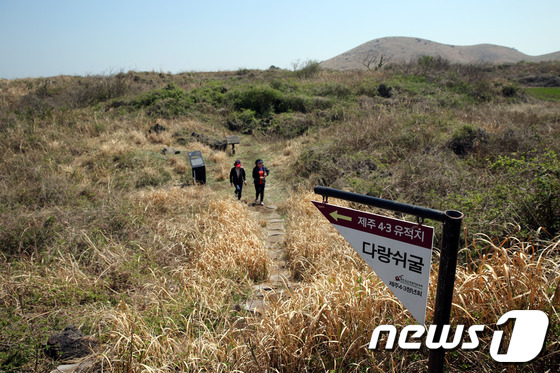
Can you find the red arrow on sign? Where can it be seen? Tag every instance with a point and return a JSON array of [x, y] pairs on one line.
[[400, 230]]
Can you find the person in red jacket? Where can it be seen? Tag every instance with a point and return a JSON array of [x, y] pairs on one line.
[[237, 178], [260, 172]]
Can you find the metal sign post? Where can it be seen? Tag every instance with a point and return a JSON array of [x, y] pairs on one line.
[[446, 281], [448, 259]]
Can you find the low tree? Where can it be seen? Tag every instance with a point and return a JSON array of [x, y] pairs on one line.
[[374, 60]]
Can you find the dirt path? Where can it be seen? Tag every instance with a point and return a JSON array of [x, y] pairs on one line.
[[279, 282]]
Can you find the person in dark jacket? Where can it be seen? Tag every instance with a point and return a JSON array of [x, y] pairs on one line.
[[260, 172], [237, 178]]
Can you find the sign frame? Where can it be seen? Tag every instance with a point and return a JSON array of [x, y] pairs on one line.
[[452, 221], [398, 251]]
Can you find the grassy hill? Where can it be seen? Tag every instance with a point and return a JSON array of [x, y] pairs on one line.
[[100, 229], [407, 49]]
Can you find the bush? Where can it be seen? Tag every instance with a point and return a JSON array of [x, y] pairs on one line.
[[334, 90], [433, 63], [466, 139], [263, 100], [100, 89], [242, 121], [384, 91], [213, 93], [291, 103], [534, 187], [168, 102], [290, 125], [308, 70], [509, 91]]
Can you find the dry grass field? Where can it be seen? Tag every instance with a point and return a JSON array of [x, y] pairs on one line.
[[100, 230]]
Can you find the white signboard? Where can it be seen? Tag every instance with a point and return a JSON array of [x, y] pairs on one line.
[[398, 251]]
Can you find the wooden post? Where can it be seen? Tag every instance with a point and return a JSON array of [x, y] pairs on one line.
[[232, 140]]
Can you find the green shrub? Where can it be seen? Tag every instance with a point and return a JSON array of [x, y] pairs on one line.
[[170, 101], [171, 91], [290, 125], [534, 186], [308, 70], [291, 103], [243, 121], [285, 85], [338, 90], [263, 100], [213, 93]]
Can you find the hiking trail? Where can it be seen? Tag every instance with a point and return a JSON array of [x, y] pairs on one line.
[[279, 283]]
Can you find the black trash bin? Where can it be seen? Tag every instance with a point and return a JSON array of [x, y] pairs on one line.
[[198, 168]]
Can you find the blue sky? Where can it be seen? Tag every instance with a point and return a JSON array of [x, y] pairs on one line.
[[78, 37]]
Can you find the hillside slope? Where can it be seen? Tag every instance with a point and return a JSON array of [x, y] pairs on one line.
[[102, 227], [406, 49]]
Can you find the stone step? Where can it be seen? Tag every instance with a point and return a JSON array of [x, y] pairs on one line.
[[280, 277], [254, 306], [264, 287], [278, 267], [279, 284], [276, 239], [276, 254], [272, 233], [273, 245], [275, 226]]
